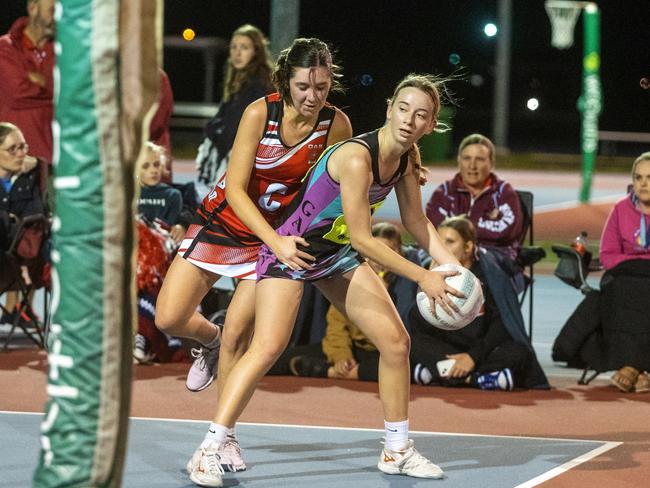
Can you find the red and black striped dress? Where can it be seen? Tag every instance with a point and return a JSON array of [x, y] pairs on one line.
[[219, 241]]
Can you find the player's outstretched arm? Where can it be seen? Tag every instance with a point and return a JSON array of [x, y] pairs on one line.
[[415, 221], [355, 178]]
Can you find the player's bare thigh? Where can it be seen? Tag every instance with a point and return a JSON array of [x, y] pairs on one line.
[[183, 288], [363, 298]]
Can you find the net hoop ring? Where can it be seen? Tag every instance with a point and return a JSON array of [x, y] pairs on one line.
[[563, 15]]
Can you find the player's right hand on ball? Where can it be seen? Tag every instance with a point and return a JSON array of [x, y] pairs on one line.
[[436, 288]]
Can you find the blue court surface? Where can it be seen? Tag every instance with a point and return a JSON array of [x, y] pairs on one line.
[[299, 456]]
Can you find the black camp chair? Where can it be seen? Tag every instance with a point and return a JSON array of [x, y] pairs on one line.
[[573, 269], [22, 266], [529, 254]]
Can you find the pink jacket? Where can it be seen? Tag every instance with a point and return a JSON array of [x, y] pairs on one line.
[[22, 102], [623, 234]]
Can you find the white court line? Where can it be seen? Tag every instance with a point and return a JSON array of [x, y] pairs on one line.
[[563, 468], [362, 429]]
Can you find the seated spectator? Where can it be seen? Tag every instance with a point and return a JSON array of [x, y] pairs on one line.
[[618, 313], [345, 352], [159, 201], [160, 230], [489, 353], [490, 203], [625, 235], [21, 194]]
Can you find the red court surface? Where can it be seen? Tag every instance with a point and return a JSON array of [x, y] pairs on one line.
[[569, 411]]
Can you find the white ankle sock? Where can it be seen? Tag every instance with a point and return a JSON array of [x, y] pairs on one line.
[[217, 339], [397, 435], [216, 433]]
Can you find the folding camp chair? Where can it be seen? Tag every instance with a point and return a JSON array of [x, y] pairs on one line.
[[529, 254], [22, 270], [573, 269]]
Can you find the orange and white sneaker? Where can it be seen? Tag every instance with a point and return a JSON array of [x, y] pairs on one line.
[[204, 467], [408, 462]]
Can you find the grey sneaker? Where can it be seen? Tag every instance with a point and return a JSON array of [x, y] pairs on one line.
[[204, 368], [408, 462], [204, 467], [231, 459]]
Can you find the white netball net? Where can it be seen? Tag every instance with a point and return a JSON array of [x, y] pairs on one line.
[[563, 15]]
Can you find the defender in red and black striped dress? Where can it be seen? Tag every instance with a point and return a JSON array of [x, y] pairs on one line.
[[279, 138], [219, 242]]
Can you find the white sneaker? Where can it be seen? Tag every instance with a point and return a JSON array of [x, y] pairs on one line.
[[409, 462], [204, 467], [231, 459]]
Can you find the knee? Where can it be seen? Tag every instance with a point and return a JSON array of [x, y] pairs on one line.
[[396, 347], [235, 338], [167, 321], [268, 353]]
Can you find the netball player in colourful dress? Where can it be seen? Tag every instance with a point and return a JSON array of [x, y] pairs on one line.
[[279, 138], [332, 214]]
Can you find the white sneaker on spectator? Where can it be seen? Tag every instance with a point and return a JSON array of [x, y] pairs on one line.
[[141, 352], [204, 467], [408, 462], [231, 459]]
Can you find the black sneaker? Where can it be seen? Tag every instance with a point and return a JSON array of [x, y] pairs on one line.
[[309, 366], [7, 317]]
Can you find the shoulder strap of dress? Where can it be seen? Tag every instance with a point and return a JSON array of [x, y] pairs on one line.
[[327, 113], [273, 111]]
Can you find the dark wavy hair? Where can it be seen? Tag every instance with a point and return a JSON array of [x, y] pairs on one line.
[[260, 65], [304, 53]]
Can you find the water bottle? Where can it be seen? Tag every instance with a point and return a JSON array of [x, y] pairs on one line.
[[580, 243]]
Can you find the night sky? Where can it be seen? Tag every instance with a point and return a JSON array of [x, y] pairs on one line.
[[387, 39]]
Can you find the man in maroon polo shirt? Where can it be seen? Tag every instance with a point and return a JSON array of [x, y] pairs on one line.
[[26, 76]]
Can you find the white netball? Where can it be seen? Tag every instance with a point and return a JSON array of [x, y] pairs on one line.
[[468, 307]]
